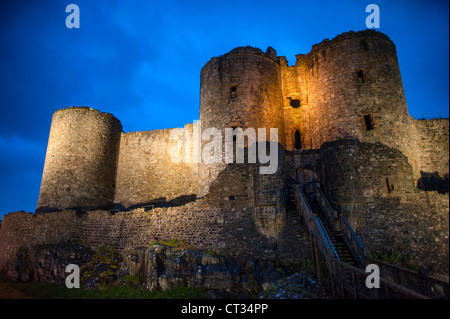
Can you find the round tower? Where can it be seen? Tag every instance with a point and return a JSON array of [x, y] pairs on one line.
[[80, 165], [355, 90], [242, 89]]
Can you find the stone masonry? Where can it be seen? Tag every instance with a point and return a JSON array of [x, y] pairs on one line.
[[342, 119]]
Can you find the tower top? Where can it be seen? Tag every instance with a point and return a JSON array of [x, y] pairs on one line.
[[249, 50]]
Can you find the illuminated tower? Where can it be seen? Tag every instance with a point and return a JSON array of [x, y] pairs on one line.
[[80, 165]]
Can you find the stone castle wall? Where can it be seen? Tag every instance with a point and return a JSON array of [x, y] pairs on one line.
[[231, 232], [342, 81], [81, 161], [241, 89], [432, 149], [352, 81], [373, 186], [341, 116], [334, 92], [21, 229], [296, 103], [370, 183], [351, 76], [146, 172]]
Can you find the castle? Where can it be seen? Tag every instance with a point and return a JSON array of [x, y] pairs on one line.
[[342, 119]]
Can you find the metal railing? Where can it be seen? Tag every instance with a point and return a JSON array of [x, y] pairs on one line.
[[353, 243], [330, 213], [348, 281], [311, 221], [340, 224], [324, 235]]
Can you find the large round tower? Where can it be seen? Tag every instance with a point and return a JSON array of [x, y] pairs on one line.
[[355, 90], [241, 89], [81, 160]]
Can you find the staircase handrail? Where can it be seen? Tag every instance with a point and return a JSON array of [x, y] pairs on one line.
[[339, 223], [311, 219], [330, 213], [353, 242], [324, 234], [358, 275]]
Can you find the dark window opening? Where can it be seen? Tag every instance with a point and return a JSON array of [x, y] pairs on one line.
[[231, 197], [295, 103], [297, 140], [233, 93], [361, 77], [390, 187], [368, 120]]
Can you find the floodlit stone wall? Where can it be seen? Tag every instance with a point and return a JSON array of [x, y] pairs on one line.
[[432, 149], [228, 231], [148, 174], [342, 119], [81, 161], [373, 186]]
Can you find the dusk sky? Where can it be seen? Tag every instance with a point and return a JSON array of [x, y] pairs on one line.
[[141, 61]]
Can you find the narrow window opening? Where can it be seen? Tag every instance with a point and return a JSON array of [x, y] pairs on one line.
[[233, 93], [295, 103], [368, 120], [390, 187], [297, 140], [361, 77]]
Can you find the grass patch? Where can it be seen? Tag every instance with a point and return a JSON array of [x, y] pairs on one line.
[[211, 252], [131, 278], [174, 242], [41, 290]]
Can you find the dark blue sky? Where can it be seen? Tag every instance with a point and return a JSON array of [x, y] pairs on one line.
[[141, 61]]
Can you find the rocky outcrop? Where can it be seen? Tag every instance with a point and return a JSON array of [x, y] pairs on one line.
[[162, 267], [301, 285], [154, 268], [47, 263]]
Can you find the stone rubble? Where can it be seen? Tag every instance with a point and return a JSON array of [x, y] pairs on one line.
[[302, 285]]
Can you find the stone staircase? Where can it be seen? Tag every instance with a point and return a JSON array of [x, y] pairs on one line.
[[341, 249], [346, 259]]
